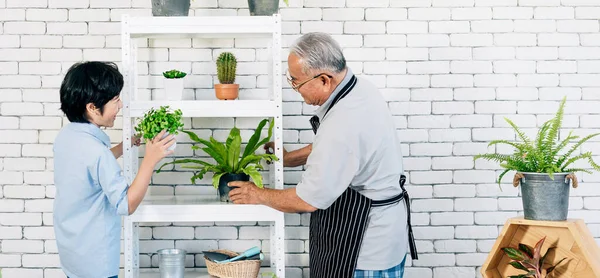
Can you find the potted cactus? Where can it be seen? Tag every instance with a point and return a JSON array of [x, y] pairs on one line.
[[226, 66]]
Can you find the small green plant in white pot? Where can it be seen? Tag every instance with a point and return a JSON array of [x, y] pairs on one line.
[[173, 85], [156, 120], [543, 168]]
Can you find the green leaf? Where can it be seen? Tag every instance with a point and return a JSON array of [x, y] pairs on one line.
[[233, 145], [256, 159], [219, 147], [252, 146], [517, 130], [563, 158], [218, 158], [180, 161], [514, 254], [526, 249], [254, 174], [269, 134], [518, 265], [216, 179], [195, 138]]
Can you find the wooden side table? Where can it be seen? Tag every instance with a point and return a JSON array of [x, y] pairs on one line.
[[572, 239]]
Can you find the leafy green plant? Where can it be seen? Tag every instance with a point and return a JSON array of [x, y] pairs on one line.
[[530, 260], [542, 155], [156, 120], [227, 156], [174, 74], [226, 67]]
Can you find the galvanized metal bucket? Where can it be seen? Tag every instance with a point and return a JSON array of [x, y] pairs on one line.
[[171, 263], [544, 198], [263, 7], [170, 7]]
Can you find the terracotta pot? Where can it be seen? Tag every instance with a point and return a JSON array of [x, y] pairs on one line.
[[227, 91]]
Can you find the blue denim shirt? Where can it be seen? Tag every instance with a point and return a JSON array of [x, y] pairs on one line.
[[91, 196]]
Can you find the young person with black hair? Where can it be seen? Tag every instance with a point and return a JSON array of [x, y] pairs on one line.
[[91, 192]]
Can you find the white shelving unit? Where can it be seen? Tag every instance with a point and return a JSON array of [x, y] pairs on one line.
[[201, 208]]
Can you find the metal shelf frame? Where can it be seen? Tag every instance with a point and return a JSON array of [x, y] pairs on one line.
[[201, 208]]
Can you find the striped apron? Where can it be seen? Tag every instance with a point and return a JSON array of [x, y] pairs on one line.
[[336, 233]]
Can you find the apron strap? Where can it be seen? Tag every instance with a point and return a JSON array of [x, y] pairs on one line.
[[411, 238], [403, 196]]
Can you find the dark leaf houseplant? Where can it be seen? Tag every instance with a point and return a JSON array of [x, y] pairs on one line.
[[264, 7], [231, 164], [170, 7], [156, 120], [543, 167], [531, 261]]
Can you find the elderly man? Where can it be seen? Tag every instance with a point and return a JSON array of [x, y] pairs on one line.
[[353, 182]]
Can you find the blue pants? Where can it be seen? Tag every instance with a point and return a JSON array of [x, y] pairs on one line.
[[394, 272]]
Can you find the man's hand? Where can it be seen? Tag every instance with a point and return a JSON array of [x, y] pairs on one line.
[[270, 149], [245, 193]]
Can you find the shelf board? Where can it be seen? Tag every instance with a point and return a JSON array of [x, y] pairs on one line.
[[212, 108], [203, 26], [189, 273], [200, 208]]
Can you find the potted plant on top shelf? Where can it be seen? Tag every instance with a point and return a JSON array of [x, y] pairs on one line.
[[173, 85], [170, 7], [156, 120], [226, 68], [264, 7], [543, 168], [229, 164]]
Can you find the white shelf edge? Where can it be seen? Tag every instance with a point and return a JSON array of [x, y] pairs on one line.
[[211, 108], [175, 211], [217, 26]]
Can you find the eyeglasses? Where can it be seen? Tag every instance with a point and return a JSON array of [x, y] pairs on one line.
[[296, 87]]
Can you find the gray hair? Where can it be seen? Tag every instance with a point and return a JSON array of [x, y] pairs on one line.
[[319, 52]]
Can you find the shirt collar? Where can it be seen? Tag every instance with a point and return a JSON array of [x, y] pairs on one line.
[[320, 111], [93, 130]]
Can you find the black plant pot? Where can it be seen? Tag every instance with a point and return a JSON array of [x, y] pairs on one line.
[[263, 7], [224, 180]]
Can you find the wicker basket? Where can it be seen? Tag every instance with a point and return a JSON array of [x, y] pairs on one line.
[[237, 269]]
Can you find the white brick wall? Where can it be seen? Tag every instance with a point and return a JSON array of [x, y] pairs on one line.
[[450, 69]]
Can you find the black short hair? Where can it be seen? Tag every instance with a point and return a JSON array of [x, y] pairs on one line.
[[89, 82]]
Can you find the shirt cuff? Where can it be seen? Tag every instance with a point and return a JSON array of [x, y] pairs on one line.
[[123, 205]]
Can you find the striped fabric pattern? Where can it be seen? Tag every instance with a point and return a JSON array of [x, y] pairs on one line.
[[336, 235]]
